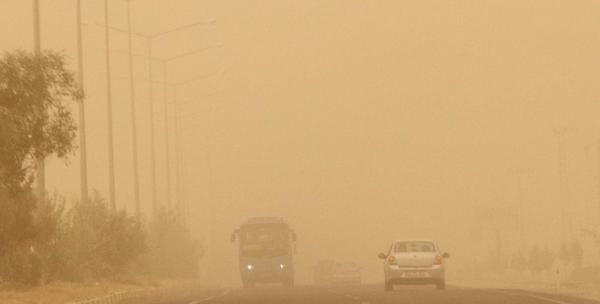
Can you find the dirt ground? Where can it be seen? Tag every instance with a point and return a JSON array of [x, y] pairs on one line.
[[61, 292]]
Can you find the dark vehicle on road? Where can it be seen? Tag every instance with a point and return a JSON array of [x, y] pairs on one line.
[[266, 251]]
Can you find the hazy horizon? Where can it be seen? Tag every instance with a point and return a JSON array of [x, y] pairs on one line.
[[359, 122]]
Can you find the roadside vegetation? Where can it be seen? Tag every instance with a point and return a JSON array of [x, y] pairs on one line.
[[534, 264], [45, 239]]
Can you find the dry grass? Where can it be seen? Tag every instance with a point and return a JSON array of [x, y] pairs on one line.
[[63, 292], [60, 293]]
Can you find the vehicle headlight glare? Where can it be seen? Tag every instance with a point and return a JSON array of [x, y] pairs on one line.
[[249, 267], [281, 266]]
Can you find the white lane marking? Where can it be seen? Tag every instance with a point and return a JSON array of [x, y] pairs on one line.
[[351, 297], [348, 296], [525, 294], [224, 293]]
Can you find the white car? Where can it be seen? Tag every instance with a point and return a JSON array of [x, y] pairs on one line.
[[414, 262]]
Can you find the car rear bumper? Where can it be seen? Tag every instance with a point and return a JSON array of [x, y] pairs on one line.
[[399, 275]]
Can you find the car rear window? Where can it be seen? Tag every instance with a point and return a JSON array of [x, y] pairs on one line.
[[414, 246]]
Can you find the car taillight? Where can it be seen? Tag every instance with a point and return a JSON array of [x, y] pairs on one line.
[[438, 260], [391, 260]]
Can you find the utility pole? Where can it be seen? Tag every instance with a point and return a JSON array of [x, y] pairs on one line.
[[36, 27], [212, 197], [180, 207], [37, 47], [152, 147], [150, 39], [598, 177], [566, 228], [595, 149], [82, 136], [180, 183], [166, 118], [111, 154], [136, 188]]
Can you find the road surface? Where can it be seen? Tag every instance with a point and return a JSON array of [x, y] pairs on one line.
[[372, 294]]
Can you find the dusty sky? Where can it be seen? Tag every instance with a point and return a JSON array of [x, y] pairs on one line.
[[358, 121]]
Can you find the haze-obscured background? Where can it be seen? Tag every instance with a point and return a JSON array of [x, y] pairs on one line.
[[360, 122]]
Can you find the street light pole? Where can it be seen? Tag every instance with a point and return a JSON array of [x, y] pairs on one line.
[[180, 183], [136, 188], [598, 174], [37, 48], [149, 39], [166, 119], [111, 157], [180, 201], [178, 189], [594, 149], [36, 27], [565, 214], [152, 147], [82, 135]]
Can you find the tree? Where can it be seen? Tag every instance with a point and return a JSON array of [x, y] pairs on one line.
[[35, 122], [518, 262], [565, 254], [595, 235], [577, 254], [547, 259], [536, 260]]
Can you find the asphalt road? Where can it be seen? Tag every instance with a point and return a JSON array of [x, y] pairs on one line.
[[374, 294]]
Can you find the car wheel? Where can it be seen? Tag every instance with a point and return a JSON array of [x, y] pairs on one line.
[[441, 285], [388, 286]]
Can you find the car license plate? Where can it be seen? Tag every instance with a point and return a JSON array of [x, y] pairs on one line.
[[415, 275]]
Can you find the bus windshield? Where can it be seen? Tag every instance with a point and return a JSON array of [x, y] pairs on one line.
[[265, 240]]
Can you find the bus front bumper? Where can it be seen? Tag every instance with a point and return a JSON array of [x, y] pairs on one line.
[[266, 274]]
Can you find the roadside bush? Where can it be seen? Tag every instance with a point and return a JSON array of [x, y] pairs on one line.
[[16, 221], [89, 242], [172, 252], [95, 242], [518, 262], [20, 262], [587, 275]]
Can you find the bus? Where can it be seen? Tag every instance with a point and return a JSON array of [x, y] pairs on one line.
[[266, 249]]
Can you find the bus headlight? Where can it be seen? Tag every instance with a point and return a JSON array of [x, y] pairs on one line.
[[249, 267], [281, 266]]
